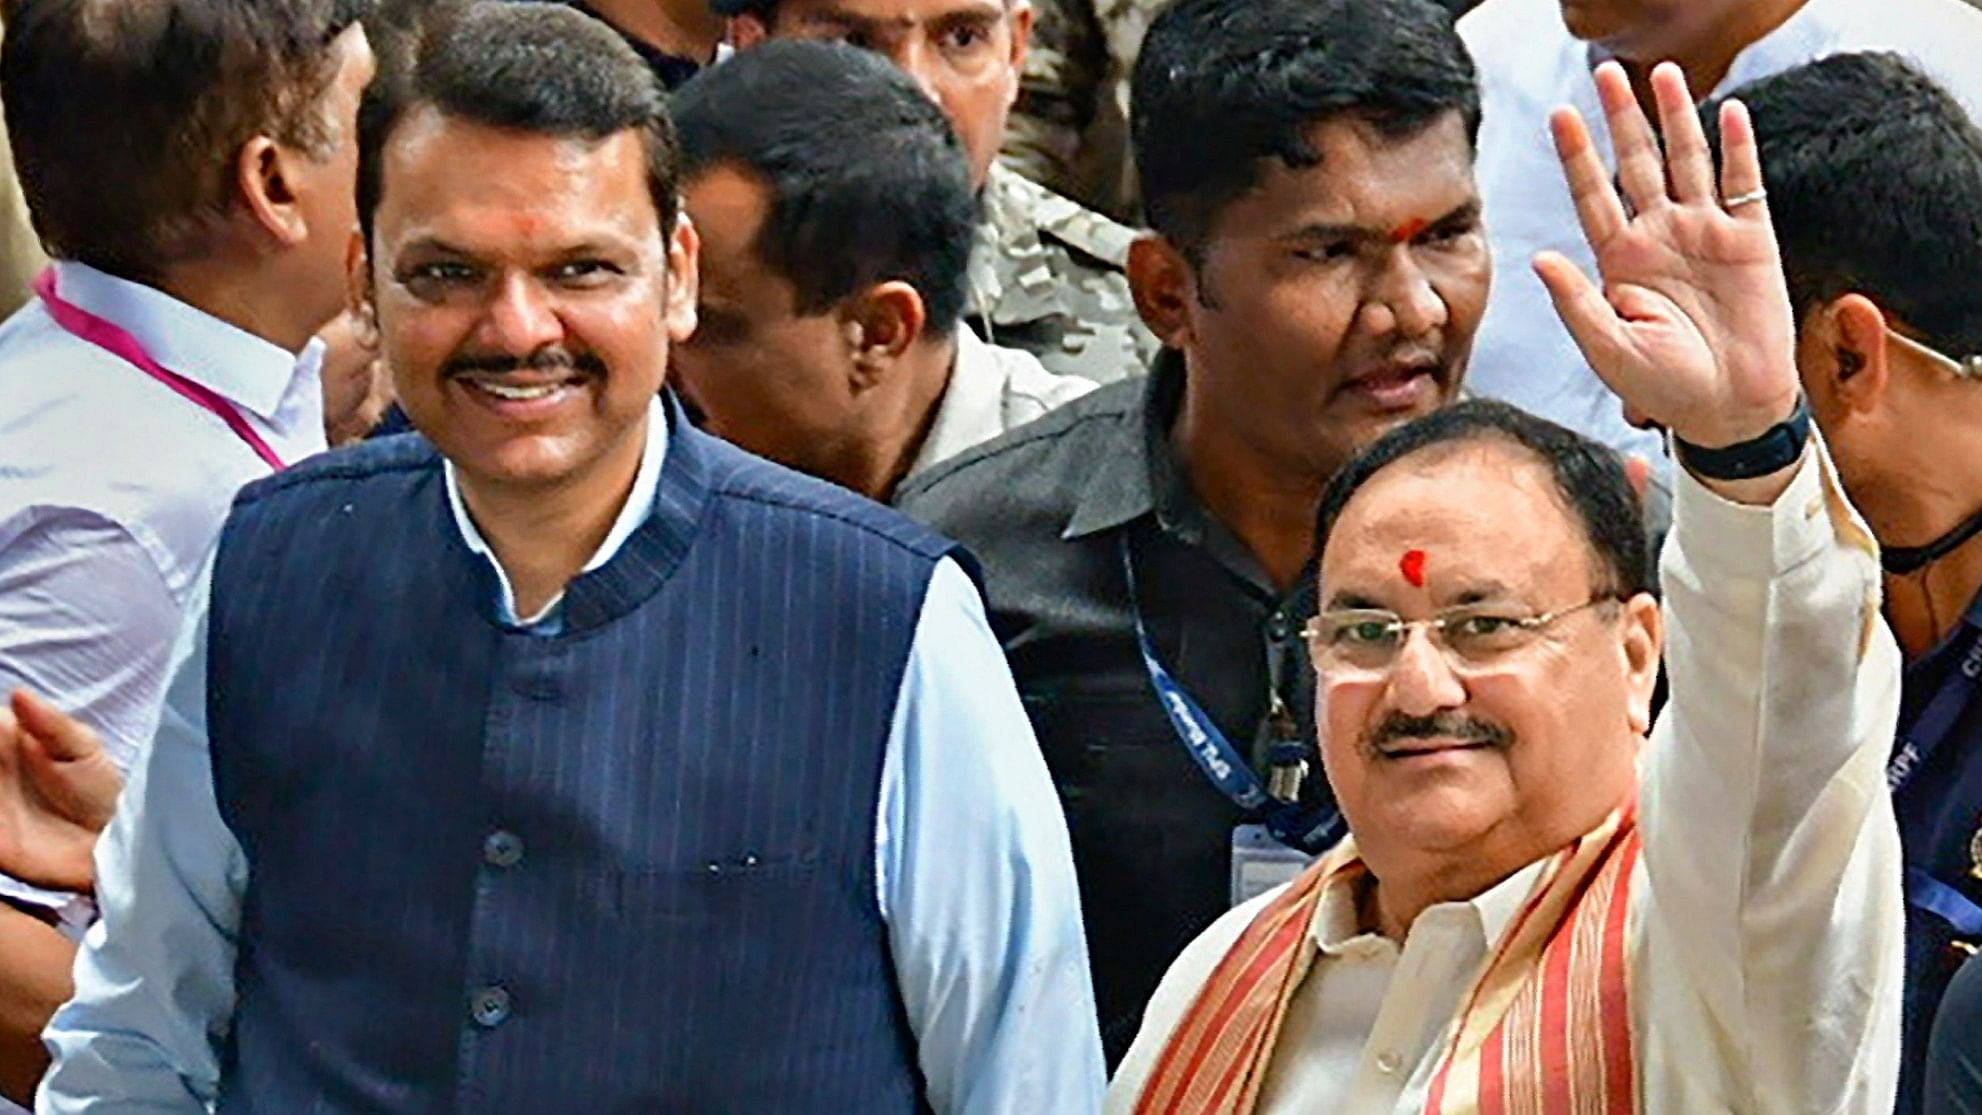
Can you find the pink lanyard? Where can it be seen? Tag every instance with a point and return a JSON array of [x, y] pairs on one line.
[[88, 327]]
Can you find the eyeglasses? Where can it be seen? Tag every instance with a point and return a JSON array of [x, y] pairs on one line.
[[1350, 641], [1968, 367]]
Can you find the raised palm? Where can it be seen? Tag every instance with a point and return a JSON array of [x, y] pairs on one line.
[[1692, 327], [57, 791]]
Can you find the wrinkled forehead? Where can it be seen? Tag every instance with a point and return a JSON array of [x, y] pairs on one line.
[[1473, 521]]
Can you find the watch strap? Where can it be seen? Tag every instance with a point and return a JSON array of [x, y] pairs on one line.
[[1777, 448]]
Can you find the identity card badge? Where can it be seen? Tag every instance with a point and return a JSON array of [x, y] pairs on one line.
[[1260, 863]]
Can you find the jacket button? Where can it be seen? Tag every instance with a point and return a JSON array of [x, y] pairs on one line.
[[489, 1007], [503, 849]]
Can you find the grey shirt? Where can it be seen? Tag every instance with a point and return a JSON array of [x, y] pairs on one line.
[[1047, 509]]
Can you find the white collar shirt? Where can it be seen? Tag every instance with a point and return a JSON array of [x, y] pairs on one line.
[[638, 506], [1528, 65], [113, 488]]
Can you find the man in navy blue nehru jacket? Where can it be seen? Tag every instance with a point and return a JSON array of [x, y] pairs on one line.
[[564, 758]]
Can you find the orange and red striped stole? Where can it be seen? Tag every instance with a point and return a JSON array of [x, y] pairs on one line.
[[1545, 1030]]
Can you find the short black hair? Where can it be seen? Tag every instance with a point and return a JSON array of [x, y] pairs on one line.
[[127, 118], [1874, 175], [868, 182], [1588, 476], [541, 68], [1223, 85]]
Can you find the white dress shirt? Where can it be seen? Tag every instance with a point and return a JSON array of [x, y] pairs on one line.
[[1529, 64], [112, 491], [975, 881], [1766, 923], [991, 390]]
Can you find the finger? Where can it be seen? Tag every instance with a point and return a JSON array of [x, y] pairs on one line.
[[1640, 167], [1638, 471], [1586, 314], [10, 742], [65, 738], [1597, 204], [1689, 162], [1741, 160]]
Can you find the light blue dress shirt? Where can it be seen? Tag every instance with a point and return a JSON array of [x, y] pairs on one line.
[[975, 880]]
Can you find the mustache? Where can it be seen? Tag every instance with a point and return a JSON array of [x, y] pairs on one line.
[[553, 359], [1444, 725]]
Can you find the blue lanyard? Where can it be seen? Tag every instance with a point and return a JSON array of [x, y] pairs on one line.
[[1918, 743], [1312, 830]]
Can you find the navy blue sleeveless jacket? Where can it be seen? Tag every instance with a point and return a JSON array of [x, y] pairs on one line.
[[628, 868]]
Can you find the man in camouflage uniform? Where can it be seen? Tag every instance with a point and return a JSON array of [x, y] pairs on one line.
[[1048, 276], [1070, 128]]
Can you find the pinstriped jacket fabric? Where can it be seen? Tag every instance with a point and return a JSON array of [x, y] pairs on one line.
[[626, 868]]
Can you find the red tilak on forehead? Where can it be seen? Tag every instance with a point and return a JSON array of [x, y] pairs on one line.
[[1412, 566], [1409, 230]]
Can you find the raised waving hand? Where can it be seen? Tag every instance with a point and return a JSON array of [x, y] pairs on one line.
[[1692, 325]]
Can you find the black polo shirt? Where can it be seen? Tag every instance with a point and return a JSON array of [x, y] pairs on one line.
[[1047, 508]]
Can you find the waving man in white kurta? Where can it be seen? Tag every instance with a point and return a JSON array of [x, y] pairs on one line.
[[1547, 904]]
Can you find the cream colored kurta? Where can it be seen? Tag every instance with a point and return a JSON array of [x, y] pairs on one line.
[[1767, 919]]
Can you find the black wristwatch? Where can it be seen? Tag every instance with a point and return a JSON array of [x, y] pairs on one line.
[[1778, 448]]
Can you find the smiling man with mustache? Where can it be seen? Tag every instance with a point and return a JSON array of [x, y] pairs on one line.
[[568, 758]]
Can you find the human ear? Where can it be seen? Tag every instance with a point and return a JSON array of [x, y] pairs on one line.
[[1642, 641], [882, 325], [1863, 357], [266, 174], [360, 298], [1165, 288], [684, 282], [1021, 17]]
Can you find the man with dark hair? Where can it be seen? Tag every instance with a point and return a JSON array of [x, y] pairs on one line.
[[645, 776], [1317, 271], [1546, 901], [837, 219], [189, 164], [1070, 126], [1534, 54], [1047, 276], [1875, 183]]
